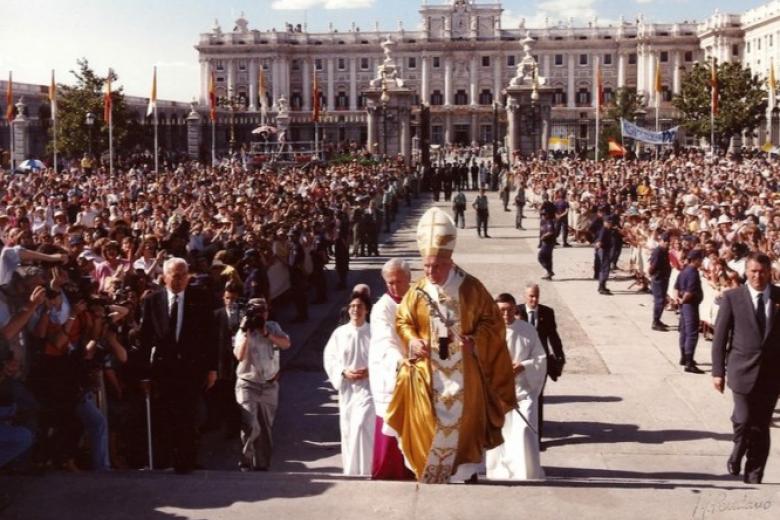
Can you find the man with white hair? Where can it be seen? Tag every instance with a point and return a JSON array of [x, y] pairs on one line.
[[384, 354], [456, 382], [178, 337]]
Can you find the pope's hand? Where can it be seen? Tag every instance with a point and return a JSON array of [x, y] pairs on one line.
[[419, 348]]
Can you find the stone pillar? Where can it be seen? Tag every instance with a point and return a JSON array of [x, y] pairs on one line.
[[20, 136], [546, 65], [676, 73], [473, 81], [205, 73], [571, 94], [353, 84], [286, 77], [194, 134], [425, 94], [448, 128], [641, 69], [331, 103], [275, 77], [308, 79], [497, 80], [474, 128], [404, 119], [651, 65], [254, 77], [621, 72], [373, 140], [231, 75], [447, 80], [512, 132]]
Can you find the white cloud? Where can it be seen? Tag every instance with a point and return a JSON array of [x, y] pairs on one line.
[[643, 1], [298, 5], [555, 12]]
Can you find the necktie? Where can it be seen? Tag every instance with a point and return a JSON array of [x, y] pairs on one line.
[[532, 318], [761, 314], [173, 322]]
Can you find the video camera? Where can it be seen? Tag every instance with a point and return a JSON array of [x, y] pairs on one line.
[[254, 317]]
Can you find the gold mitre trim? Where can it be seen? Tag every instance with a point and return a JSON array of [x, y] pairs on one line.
[[436, 234]]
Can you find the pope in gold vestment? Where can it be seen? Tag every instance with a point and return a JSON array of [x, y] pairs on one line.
[[447, 412]]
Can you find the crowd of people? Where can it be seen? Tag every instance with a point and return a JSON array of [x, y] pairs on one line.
[[103, 279], [87, 259]]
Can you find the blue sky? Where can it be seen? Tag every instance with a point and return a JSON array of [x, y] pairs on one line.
[[133, 35]]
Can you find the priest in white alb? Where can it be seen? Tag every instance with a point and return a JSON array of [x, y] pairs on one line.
[[346, 363], [455, 385], [384, 356], [518, 457]]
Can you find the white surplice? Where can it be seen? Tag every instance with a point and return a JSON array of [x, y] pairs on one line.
[[518, 457], [384, 353], [347, 348]]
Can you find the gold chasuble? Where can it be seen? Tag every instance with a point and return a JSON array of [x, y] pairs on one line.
[[446, 412]]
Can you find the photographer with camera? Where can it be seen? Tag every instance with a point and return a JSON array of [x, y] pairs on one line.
[[257, 345]]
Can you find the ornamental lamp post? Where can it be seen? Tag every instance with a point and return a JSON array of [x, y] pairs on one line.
[[233, 103]]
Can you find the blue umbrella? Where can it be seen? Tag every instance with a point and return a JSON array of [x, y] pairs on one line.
[[31, 165]]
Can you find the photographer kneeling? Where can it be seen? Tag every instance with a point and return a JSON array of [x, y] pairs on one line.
[[257, 347]]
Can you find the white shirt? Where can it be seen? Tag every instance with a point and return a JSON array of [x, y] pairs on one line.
[[767, 305], [180, 314]]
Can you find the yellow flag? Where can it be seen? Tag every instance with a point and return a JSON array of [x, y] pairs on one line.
[[658, 86], [772, 83], [53, 96], [153, 97]]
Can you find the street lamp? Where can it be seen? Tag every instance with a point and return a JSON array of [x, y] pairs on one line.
[[90, 120], [233, 103], [496, 107]]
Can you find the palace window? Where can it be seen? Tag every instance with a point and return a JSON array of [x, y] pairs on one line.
[[664, 57], [558, 60], [583, 97], [583, 59], [688, 56], [510, 60], [632, 58], [607, 59], [437, 98], [412, 63], [342, 101], [317, 64], [342, 64], [486, 61], [461, 98], [486, 97], [363, 63], [436, 62]]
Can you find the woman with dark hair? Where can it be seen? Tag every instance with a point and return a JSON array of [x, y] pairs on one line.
[[346, 363]]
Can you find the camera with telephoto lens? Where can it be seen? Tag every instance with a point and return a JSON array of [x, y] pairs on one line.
[[254, 317]]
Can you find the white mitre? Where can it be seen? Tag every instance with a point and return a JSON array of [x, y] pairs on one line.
[[436, 234]]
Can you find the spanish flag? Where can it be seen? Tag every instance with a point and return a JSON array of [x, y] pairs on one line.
[[153, 98], [315, 102], [614, 149], [599, 87], [212, 97], [9, 97], [714, 85], [53, 96], [107, 102]]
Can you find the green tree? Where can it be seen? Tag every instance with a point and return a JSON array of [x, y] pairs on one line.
[[625, 104], [741, 106], [73, 104]]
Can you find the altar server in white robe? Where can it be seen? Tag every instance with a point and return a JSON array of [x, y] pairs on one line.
[[518, 457], [346, 363]]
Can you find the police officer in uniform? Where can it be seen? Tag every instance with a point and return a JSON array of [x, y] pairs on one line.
[[690, 295], [660, 270], [459, 208]]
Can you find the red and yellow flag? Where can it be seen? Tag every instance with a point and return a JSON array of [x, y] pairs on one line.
[[107, 102], [212, 96], [599, 87], [9, 97], [53, 96], [315, 102], [714, 85], [615, 150]]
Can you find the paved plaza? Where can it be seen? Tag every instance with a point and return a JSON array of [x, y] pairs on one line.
[[628, 434]]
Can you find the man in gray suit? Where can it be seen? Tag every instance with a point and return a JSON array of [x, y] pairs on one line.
[[747, 336]]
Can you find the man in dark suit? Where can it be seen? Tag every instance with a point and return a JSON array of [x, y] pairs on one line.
[[177, 335], [749, 323], [221, 399], [542, 318]]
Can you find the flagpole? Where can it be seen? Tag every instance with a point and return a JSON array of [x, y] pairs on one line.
[[598, 106], [13, 148], [213, 141], [712, 109]]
